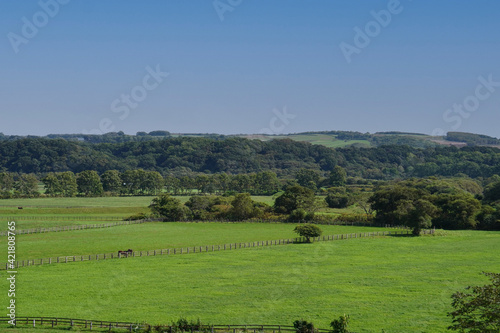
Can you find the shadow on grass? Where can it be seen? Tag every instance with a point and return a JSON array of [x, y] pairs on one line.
[[404, 235]]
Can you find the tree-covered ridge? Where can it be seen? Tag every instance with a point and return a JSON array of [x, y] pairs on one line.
[[472, 139], [285, 157]]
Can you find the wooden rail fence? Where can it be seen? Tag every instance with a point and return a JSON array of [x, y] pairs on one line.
[[133, 327], [198, 249], [76, 227], [61, 218]]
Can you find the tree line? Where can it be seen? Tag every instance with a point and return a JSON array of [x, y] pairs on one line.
[[416, 203], [435, 203], [133, 182], [285, 157]]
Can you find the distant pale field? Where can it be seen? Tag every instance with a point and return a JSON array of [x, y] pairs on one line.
[[156, 235], [395, 284], [131, 201], [321, 139], [79, 202], [37, 213]]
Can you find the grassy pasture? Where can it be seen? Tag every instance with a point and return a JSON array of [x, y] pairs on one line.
[[36, 213], [327, 140], [137, 201], [156, 235], [80, 202], [399, 284]]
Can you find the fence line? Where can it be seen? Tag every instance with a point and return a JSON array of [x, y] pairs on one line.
[[59, 217], [128, 222], [98, 324], [76, 227], [196, 249]]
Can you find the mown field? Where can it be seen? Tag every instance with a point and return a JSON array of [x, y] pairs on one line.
[[395, 284], [399, 284], [156, 235], [54, 212], [327, 140]]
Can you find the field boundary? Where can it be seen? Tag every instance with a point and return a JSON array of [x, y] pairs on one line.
[[100, 324], [129, 222], [62, 217], [78, 227], [198, 249]]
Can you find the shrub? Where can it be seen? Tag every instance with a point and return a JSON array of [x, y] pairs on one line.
[[302, 326], [135, 217], [340, 325], [337, 201], [308, 231]]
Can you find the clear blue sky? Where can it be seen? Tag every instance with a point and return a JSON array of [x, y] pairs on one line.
[[72, 72]]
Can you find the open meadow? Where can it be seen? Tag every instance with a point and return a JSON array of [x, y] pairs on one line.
[[390, 283], [157, 235], [399, 284], [57, 212]]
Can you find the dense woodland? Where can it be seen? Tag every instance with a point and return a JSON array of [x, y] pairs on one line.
[[185, 155], [444, 187]]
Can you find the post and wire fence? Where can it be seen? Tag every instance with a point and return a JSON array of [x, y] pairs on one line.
[[200, 249]]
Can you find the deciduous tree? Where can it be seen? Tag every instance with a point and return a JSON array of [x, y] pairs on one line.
[[477, 311], [168, 208], [89, 183], [308, 231]]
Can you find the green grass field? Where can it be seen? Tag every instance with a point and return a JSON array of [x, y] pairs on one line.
[[398, 284], [327, 140], [56, 212], [152, 236]]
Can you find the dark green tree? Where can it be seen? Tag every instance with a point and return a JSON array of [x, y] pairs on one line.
[[416, 214], [303, 326], [308, 178], [489, 218], [392, 203], [67, 181], [6, 182], [60, 184], [89, 183], [266, 183], [308, 231], [200, 206], [242, 207], [337, 200], [152, 182], [111, 181], [293, 198], [338, 176], [477, 311], [26, 185], [340, 325], [492, 192], [168, 208], [456, 211], [131, 181]]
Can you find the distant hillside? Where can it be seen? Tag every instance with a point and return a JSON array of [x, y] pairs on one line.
[[339, 139], [331, 139], [472, 139], [186, 155]]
